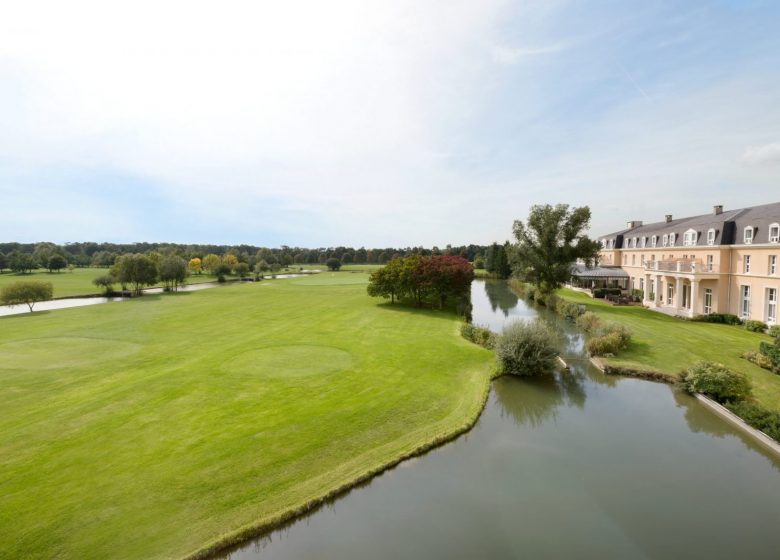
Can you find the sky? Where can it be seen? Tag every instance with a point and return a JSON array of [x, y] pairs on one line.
[[378, 123]]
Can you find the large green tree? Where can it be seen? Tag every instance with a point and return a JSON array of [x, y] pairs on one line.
[[173, 272], [26, 291], [549, 243], [136, 270]]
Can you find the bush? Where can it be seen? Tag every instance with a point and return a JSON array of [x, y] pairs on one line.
[[759, 359], [622, 333], [526, 348], [603, 345], [637, 295], [569, 309], [548, 300], [717, 381], [756, 326], [760, 418], [721, 318], [478, 335], [603, 292], [588, 322], [772, 353], [774, 331]]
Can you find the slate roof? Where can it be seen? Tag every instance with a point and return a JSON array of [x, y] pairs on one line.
[[729, 227], [598, 271]]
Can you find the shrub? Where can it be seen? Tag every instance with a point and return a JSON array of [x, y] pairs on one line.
[[722, 318], [759, 359], [548, 300], [526, 348], [588, 322], [717, 381], [760, 418], [772, 353], [622, 333], [637, 295], [569, 309], [756, 326], [603, 345], [774, 331], [478, 335]]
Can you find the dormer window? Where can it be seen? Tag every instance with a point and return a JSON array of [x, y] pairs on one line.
[[748, 236], [711, 237], [654, 241], [774, 233], [636, 243], [689, 238], [672, 238], [644, 242], [665, 240]]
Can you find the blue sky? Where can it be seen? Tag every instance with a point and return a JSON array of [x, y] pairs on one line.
[[377, 123]]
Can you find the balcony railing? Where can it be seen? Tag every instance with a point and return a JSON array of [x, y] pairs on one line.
[[685, 266]]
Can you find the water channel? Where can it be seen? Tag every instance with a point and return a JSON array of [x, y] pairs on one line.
[[579, 465]]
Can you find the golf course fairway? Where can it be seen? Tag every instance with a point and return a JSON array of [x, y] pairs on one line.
[[169, 425]]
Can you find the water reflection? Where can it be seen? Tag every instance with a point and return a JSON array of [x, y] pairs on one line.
[[536, 400]]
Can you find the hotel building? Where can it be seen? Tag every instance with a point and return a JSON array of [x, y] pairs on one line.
[[721, 262]]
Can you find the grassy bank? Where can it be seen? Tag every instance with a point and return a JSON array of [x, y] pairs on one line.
[[157, 427], [668, 345]]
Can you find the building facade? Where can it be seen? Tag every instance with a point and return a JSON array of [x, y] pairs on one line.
[[722, 262]]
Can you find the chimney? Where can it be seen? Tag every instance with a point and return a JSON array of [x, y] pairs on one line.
[[717, 210], [634, 223], [668, 218]]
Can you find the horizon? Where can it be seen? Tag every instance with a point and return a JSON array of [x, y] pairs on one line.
[[386, 125]]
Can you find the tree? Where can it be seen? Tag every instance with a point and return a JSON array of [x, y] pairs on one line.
[[385, 282], [28, 292], [194, 266], [106, 281], [137, 270], [549, 243], [242, 269], [211, 262], [21, 262], [479, 262], [333, 263], [56, 262], [346, 258], [445, 277], [230, 260], [3, 262], [173, 272]]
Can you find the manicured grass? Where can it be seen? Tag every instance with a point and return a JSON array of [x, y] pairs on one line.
[[79, 282], [670, 345], [361, 267], [153, 427]]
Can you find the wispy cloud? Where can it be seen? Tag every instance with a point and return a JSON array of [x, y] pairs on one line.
[[512, 55], [759, 155]]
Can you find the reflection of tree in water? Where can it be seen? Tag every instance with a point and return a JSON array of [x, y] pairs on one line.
[[500, 297], [535, 400]]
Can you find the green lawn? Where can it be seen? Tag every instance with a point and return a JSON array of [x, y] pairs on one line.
[[79, 282], [153, 427], [669, 345]]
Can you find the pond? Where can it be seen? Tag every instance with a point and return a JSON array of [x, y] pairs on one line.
[[577, 465]]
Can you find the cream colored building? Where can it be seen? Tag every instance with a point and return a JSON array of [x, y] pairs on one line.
[[722, 262]]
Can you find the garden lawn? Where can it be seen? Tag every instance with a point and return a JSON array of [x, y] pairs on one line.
[[153, 427], [79, 282], [670, 345]]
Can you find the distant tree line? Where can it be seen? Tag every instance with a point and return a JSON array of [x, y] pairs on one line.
[[25, 257]]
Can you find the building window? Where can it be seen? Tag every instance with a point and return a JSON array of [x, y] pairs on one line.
[[665, 240], [707, 301], [748, 235], [710, 265], [711, 237], [669, 293], [644, 242], [654, 241], [643, 259], [625, 259], [746, 265], [771, 305], [672, 239], [745, 302], [642, 284], [774, 233], [633, 260], [636, 243], [689, 238], [772, 265]]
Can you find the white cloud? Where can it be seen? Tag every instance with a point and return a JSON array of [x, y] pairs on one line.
[[758, 155], [512, 55]]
